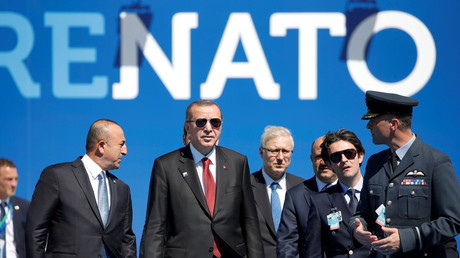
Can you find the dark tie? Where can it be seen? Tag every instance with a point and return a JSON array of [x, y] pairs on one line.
[[103, 199], [276, 205], [353, 200], [3, 232], [210, 190], [394, 160], [324, 188]]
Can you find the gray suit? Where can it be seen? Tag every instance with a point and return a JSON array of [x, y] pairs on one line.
[[429, 205], [264, 212]]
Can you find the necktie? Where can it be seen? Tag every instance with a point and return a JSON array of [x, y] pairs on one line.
[[103, 199], [394, 160], [210, 190], [353, 200], [324, 188], [276, 205], [3, 232]]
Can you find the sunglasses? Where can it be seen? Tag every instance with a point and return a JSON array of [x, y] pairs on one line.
[[201, 122], [337, 156]]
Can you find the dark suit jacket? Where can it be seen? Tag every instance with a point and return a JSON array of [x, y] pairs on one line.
[[293, 226], [431, 206], [320, 239], [20, 207], [64, 217], [264, 211], [178, 222]]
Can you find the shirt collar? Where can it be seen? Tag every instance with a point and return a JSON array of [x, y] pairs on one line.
[[357, 187], [92, 167], [269, 180], [401, 152], [197, 156], [321, 184]]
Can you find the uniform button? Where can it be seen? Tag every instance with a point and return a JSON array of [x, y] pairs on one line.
[[391, 185], [388, 203], [211, 249], [412, 193], [371, 191], [388, 220], [350, 252], [333, 233]]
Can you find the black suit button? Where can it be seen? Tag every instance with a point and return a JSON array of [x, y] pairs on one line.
[[211, 249]]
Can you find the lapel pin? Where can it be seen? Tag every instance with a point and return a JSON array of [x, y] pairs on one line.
[[184, 174], [16, 207], [114, 181], [225, 167]]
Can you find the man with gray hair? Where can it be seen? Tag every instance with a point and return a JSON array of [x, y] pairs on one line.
[[270, 184]]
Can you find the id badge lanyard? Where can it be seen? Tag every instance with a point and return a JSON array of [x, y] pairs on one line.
[[3, 221]]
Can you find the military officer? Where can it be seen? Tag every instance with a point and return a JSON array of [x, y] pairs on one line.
[[409, 203]]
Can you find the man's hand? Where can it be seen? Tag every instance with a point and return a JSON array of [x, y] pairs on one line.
[[390, 244], [364, 237]]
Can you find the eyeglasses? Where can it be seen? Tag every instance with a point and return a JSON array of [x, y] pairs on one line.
[[337, 156], [274, 153], [201, 122]]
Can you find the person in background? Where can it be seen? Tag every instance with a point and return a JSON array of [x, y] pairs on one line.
[[270, 184], [294, 219], [13, 213]]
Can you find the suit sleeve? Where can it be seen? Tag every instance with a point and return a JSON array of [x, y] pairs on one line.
[[128, 248], [41, 210], [155, 228], [288, 231], [445, 217], [314, 237], [251, 223]]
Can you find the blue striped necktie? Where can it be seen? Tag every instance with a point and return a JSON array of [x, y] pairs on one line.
[[276, 205]]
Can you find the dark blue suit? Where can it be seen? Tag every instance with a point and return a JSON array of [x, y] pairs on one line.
[[20, 208], [319, 238], [293, 226], [430, 206]]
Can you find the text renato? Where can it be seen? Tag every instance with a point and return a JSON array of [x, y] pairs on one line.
[[175, 73]]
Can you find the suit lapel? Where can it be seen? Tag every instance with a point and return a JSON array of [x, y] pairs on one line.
[[387, 164], [113, 188], [262, 201], [188, 172], [83, 181], [408, 159], [222, 178]]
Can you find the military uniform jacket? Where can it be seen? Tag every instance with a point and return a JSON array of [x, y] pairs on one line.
[[421, 195]]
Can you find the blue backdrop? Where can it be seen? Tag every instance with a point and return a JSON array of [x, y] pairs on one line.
[[300, 64]]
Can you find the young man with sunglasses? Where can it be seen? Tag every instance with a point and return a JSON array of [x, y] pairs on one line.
[[200, 200], [409, 203], [327, 234], [271, 182]]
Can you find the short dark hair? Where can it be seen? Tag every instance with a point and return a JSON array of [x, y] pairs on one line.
[[340, 135], [7, 163], [98, 130], [201, 102]]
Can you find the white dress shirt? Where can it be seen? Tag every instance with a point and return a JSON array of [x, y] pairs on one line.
[[281, 190], [93, 171], [197, 157], [10, 244]]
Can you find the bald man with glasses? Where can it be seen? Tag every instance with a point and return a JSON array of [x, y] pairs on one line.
[[200, 200]]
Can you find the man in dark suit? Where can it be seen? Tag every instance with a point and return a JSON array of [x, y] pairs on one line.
[[13, 234], [294, 219], [327, 234], [79, 209], [200, 200], [276, 147], [411, 185]]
